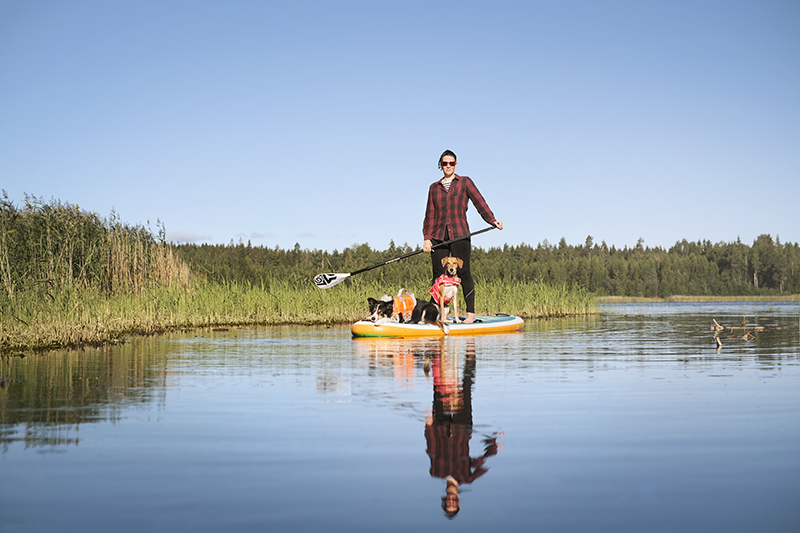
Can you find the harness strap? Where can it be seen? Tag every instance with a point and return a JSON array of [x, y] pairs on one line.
[[447, 281]]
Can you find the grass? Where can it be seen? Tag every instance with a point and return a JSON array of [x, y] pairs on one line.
[[69, 278], [77, 318], [535, 299]]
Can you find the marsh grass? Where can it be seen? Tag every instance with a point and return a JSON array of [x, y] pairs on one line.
[[53, 248], [69, 278], [535, 299], [75, 318]]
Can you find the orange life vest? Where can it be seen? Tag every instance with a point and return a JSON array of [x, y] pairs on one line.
[[404, 306]]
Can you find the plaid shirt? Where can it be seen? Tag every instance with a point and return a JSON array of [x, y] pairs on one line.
[[448, 209]]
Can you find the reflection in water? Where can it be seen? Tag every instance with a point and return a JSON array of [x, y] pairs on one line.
[[45, 399], [617, 421], [448, 426]]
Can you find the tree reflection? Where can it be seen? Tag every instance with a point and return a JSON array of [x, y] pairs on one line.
[[45, 399]]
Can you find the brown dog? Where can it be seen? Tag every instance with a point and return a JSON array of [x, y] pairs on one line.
[[445, 289]]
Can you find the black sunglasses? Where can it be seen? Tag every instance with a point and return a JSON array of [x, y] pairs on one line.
[[451, 163]]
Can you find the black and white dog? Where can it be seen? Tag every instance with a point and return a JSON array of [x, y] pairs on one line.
[[404, 308]]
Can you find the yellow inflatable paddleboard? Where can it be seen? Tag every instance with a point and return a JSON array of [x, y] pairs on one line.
[[484, 324]]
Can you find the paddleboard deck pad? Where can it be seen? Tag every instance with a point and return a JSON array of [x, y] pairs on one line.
[[486, 324]]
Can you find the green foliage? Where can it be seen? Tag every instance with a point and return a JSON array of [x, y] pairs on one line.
[[49, 248], [767, 268], [69, 278], [55, 259], [76, 318]]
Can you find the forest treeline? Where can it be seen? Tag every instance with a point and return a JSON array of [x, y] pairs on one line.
[[52, 247], [767, 267]]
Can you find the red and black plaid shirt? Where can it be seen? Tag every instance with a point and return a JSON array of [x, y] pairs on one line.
[[447, 210]]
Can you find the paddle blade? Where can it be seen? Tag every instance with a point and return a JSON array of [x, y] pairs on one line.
[[326, 281]]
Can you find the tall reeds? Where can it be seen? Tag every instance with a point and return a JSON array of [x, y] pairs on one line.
[[50, 247], [56, 259], [69, 278], [78, 318], [535, 299]]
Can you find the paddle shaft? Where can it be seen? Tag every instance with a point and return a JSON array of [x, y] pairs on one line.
[[445, 243]]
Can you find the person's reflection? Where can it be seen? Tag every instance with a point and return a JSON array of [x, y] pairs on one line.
[[448, 427]]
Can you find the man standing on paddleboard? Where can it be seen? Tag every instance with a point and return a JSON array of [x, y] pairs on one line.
[[446, 219]]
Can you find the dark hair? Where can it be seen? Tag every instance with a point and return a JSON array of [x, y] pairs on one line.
[[446, 152], [449, 514]]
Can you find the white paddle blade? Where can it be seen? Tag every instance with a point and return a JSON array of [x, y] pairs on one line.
[[326, 281]]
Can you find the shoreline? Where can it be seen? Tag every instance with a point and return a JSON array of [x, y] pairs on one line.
[[689, 299], [122, 337], [75, 319], [93, 320]]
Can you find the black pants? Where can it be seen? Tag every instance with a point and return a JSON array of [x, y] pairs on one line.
[[462, 250]]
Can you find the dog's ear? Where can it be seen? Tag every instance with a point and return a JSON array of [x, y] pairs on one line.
[[460, 263], [372, 304], [444, 260]]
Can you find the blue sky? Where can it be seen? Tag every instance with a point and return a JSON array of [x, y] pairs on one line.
[[320, 123]]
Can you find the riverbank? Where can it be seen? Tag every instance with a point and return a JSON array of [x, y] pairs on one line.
[[37, 323], [633, 299]]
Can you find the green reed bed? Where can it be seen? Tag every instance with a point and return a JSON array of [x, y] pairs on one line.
[[37, 322], [75, 318], [534, 299], [70, 278]]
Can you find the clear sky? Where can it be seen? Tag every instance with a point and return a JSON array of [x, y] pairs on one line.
[[320, 123]]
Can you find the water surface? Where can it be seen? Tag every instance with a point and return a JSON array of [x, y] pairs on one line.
[[629, 421]]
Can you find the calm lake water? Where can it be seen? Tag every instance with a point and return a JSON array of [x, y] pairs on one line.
[[629, 421]]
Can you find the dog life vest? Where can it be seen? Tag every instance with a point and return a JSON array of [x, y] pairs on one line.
[[448, 281], [404, 306]]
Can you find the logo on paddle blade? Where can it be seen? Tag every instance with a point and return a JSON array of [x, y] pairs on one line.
[[324, 279]]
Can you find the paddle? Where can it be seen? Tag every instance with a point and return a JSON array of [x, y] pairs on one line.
[[326, 281]]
